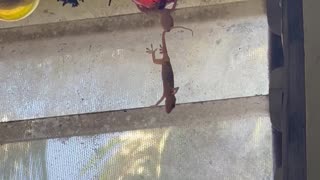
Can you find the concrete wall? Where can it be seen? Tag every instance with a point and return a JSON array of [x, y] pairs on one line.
[[100, 64]]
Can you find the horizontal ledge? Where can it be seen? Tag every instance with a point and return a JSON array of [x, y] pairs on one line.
[[53, 11], [189, 114]]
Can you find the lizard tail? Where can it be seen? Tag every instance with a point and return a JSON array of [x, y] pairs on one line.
[[181, 27]]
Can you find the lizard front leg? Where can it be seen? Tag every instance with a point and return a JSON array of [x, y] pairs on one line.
[[153, 53]]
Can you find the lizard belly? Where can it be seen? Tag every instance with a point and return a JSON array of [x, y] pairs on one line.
[[167, 76]]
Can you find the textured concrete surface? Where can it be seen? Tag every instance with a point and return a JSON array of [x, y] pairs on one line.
[[78, 68]]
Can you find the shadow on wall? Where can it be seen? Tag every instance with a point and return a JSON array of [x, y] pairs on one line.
[[228, 149], [132, 155], [218, 150]]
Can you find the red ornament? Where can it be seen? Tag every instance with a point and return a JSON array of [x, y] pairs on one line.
[[152, 4]]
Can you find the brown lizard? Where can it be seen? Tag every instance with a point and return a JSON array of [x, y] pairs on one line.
[[169, 90]]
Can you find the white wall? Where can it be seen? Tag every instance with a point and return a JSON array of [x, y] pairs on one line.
[[109, 70]]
